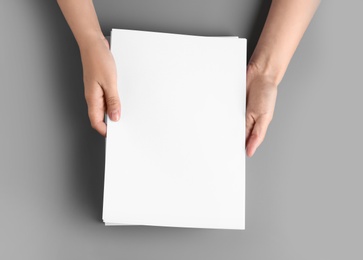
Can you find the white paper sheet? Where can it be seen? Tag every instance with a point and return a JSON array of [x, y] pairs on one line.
[[177, 156]]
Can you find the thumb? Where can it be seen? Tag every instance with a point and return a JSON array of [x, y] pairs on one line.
[[113, 105], [257, 134]]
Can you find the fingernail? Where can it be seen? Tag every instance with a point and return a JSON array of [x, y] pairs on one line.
[[115, 115]]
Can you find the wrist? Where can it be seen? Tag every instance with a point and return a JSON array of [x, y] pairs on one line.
[[266, 68], [87, 39]]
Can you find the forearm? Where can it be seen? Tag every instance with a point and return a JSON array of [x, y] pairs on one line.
[[82, 19], [285, 25]]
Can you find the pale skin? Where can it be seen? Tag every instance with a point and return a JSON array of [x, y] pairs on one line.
[[285, 25]]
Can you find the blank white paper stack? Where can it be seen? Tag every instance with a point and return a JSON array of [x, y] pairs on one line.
[[177, 155]]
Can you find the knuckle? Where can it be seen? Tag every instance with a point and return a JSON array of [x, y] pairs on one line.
[[112, 101]]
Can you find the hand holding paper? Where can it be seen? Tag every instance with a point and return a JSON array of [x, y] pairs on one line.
[[100, 84], [99, 72], [261, 98]]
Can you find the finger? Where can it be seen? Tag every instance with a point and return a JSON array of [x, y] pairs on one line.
[[96, 110], [113, 103], [250, 122], [257, 135], [100, 127]]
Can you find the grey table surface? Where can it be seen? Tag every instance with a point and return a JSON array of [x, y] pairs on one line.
[[304, 185]]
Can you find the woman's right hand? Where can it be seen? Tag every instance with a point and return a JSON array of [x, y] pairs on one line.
[[100, 83]]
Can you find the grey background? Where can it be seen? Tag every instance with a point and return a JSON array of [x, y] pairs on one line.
[[303, 185]]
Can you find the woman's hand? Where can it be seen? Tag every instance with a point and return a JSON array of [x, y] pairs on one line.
[[285, 25], [100, 83], [99, 69], [261, 98]]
